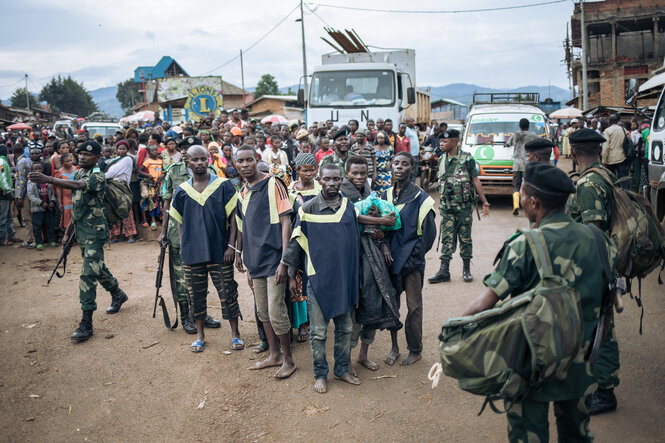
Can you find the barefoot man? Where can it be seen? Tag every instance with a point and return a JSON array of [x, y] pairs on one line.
[[264, 219], [325, 238], [408, 246]]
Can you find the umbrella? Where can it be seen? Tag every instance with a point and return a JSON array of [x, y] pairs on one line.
[[139, 116], [80, 119], [567, 113], [275, 118], [18, 126]]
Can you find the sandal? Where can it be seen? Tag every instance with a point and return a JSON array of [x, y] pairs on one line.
[[197, 346], [145, 225], [237, 344], [302, 337], [261, 347]]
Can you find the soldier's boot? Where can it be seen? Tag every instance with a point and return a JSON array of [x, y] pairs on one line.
[[84, 331], [603, 400], [212, 322], [118, 297], [187, 323], [466, 271], [443, 274], [516, 203]]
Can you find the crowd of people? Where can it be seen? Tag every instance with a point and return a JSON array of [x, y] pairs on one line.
[[327, 223]]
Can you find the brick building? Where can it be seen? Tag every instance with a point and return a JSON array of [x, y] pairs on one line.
[[625, 39]]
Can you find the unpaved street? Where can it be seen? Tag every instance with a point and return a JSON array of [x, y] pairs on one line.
[[136, 381]]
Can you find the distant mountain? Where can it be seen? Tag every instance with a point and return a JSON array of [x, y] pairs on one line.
[[463, 92], [106, 101]]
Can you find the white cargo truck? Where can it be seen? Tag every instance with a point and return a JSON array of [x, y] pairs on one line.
[[367, 85]]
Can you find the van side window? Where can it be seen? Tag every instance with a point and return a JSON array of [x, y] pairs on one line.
[[659, 116]]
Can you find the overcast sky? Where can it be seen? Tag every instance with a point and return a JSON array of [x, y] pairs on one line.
[[101, 42]]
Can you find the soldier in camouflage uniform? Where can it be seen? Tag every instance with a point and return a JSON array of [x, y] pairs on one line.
[[574, 256], [459, 182], [91, 228], [341, 154], [593, 203], [176, 174]]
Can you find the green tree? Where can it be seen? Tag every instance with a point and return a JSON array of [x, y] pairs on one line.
[[18, 98], [68, 95], [127, 94], [266, 86]]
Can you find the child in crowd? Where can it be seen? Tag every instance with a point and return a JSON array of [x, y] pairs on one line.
[[152, 171], [42, 208]]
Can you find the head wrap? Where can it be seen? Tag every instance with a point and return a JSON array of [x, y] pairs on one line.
[[305, 158]]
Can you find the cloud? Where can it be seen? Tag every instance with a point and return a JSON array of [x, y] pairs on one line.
[[498, 49]]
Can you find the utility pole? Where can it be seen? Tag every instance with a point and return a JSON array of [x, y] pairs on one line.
[[27, 95], [304, 55], [584, 90], [242, 80]]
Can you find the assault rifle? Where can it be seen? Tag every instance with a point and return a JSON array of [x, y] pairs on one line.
[[66, 247], [163, 244]]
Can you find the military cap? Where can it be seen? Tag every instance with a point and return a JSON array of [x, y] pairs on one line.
[[450, 133], [548, 179], [586, 135], [538, 144], [91, 147], [189, 141], [361, 132], [343, 132]]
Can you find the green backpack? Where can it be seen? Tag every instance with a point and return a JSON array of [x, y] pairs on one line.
[[117, 200], [635, 230], [529, 338]]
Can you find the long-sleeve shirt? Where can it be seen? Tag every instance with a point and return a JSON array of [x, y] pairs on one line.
[[22, 170], [612, 152], [39, 194]]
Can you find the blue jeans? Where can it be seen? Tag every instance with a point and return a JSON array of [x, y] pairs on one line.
[[6, 221], [318, 331]]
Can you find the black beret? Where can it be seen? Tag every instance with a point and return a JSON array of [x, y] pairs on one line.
[[90, 146], [344, 132], [189, 141], [548, 179], [586, 135], [170, 139], [450, 133], [538, 144]]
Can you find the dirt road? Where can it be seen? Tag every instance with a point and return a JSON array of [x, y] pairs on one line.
[[136, 381]]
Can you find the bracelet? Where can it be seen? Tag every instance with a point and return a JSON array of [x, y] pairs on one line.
[[237, 250]]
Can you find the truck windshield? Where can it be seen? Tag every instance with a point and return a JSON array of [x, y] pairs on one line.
[[497, 128], [103, 130], [353, 88]]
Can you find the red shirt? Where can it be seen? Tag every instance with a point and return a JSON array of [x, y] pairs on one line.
[[321, 153], [402, 143]]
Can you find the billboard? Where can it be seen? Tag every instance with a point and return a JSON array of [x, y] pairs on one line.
[[174, 88]]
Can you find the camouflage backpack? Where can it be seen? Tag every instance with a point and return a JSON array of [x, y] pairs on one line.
[[635, 230], [117, 200], [529, 338]]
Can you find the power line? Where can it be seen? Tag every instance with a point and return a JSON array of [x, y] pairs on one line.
[[313, 11], [255, 43], [13, 84], [439, 11]]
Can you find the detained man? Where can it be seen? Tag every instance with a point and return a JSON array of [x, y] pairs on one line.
[[325, 244], [204, 207], [408, 246]]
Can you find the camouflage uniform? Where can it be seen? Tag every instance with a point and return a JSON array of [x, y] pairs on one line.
[[593, 203], [91, 233], [572, 250], [456, 174], [176, 174], [334, 159]]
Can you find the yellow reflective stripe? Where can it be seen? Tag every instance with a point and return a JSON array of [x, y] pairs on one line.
[[202, 197], [327, 218], [427, 206], [175, 215], [231, 205], [304, 244], [389, 194], [400, 207], [274, 214]]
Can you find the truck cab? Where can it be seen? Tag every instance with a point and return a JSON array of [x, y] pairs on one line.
[[492, 119], [365, 86]]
